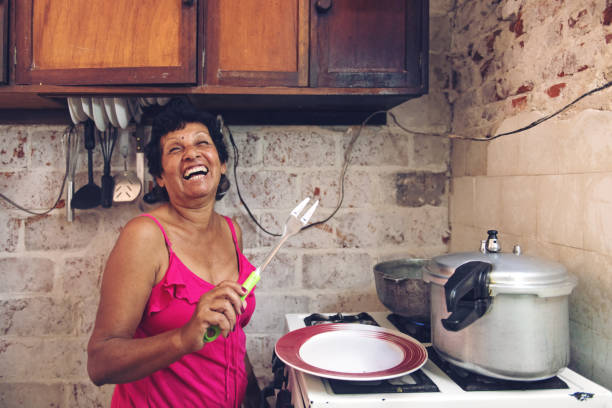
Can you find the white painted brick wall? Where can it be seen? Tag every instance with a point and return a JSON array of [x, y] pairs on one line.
[[52, 269]]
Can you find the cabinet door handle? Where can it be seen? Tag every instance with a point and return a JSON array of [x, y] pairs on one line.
[[323, 6]]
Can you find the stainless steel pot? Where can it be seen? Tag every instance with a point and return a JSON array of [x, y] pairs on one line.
[[400, 287], [504, 315]]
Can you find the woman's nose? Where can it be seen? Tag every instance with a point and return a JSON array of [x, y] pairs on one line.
[[191, 152]]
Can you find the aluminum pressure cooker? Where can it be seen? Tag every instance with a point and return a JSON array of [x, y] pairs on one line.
[[503, 315]]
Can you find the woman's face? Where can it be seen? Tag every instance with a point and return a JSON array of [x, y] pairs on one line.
[[190, 163]]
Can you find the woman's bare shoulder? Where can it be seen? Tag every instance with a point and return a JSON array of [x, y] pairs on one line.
[[140, 249], [141, 235], [142, 227]]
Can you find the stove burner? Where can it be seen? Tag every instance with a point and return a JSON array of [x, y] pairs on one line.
[[409, 383], [318, 318], [470, 381], [414, 326]]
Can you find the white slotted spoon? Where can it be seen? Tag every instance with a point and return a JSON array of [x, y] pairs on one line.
[[127, 184]]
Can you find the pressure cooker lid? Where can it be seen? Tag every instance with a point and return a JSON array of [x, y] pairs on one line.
[[512, 273]]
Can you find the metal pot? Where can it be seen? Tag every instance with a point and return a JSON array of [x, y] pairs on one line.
[[400, 287], [503, 315]]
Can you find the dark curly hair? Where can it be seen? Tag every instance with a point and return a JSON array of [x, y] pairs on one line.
[[175, 115]]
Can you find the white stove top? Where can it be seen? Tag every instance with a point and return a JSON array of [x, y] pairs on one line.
[[311, 391]]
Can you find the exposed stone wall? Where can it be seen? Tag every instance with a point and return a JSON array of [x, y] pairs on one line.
[[516, 61]]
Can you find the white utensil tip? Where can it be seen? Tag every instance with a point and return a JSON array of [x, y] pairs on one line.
[[298, 209], [309, 213]]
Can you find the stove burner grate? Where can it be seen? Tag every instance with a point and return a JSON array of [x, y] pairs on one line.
[[409, 383], [414, 326], [470, 381], [318, 318]]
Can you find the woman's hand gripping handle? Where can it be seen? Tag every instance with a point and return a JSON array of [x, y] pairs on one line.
[[213, 331]]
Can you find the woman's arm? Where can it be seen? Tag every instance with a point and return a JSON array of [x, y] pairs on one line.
[[130, 272], [114, 356]]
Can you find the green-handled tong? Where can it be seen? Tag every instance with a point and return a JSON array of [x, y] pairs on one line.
[[292, 226]]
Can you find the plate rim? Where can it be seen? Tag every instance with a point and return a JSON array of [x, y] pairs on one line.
[[109, 106], [75, 104], [73, 115], [122, 114], [99, 112], [292, 342], [87, 108]]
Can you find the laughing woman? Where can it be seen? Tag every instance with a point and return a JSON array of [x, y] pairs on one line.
[[172, 274]]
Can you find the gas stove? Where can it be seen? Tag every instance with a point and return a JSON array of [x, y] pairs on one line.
[[436, 384]]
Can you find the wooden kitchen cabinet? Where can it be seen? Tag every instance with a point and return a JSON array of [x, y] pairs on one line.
[[351, 43], [105, 42], [256, 42], [304, 56], [369, 44]]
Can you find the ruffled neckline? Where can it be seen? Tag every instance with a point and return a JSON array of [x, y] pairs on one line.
[[181, 283]]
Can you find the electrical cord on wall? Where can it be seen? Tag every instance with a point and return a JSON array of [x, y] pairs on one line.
[[347, 159], [349, 150], [512, 132], [68, 134], [66, 141]]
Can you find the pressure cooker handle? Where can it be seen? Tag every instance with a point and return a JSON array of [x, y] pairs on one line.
[[467, 295]]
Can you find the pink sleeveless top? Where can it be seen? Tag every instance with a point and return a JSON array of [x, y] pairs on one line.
[[212, 377]]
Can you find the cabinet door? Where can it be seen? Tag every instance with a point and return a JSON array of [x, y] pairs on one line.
[[106, 41], [256, 42], [370, 44]]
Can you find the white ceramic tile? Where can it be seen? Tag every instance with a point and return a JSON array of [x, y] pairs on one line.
[[598, 279], [488, 202], [598, 213], [588, 144], [539, 149], [466, 238], [502, 156], [518, 205], [580, 304], [461, 200], [476, 164], [504, 152], [581, 349], [560, 210], [602, 361]]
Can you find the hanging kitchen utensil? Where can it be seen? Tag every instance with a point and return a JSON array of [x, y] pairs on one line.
[[72, 153], [107, 145], [89, 195], [127, 184], [140, 144]]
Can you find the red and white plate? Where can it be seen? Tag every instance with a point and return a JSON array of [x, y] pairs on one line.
[[348, 351]]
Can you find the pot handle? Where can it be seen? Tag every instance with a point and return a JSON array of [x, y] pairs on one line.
[[467, 295]]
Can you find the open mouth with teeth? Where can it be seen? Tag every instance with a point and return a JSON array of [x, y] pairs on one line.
[[195, 172]]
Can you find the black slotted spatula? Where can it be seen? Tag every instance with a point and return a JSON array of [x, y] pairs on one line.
[[90, 194]]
